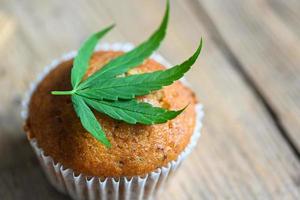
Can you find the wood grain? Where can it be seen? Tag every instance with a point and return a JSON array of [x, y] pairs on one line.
[[241, 155], [269, 52]]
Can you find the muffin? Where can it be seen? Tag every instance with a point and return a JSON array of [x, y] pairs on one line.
[[140, 156], [136, 149]]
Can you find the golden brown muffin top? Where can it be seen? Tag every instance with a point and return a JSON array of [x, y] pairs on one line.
[[136, 149]]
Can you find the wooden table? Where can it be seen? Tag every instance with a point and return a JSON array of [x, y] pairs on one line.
[[248, 78]]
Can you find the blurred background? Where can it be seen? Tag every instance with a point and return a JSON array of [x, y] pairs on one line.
[[247, 77]]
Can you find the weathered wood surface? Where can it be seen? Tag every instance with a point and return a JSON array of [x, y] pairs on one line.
[[247, 78], [269, 52]]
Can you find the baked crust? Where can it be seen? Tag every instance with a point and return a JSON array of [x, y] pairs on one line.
[[136, 149]]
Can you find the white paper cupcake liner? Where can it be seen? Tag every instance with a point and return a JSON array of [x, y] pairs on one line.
[[80, 186]]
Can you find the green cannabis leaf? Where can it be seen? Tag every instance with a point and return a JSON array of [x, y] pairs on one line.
[[114, 96], [132, 58], [81, 61], [137, 85], [133, 112], [88, 119]]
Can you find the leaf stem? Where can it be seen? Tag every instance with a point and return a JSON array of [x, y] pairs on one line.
[[63, 92]]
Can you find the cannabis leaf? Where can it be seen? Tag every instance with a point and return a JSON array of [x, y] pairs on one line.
[[115, 96], [137, 85], [132, 111], [81, 61], [132, 58], [88, 119]]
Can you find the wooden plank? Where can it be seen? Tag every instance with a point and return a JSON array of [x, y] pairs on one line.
[[241, 154], [7, 27], [288, 12], [268, 50]]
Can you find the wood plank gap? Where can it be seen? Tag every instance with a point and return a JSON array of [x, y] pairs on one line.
[[207, 21]]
